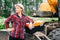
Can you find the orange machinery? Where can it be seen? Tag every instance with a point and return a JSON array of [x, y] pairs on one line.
[[36, 23], [49, 6]]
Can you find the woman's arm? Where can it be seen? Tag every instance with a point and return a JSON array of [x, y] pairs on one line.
[[30, 21], [7, 21]]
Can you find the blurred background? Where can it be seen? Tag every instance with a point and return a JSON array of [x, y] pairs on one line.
[[33, 8], [7, 6]]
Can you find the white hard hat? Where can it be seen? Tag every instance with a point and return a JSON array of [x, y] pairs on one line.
[[20, 5]]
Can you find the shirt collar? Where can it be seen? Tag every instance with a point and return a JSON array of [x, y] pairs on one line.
[[19, 16]]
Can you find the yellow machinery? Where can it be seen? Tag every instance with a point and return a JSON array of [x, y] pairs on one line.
[[36, 23], [53, 4], [49, 6]]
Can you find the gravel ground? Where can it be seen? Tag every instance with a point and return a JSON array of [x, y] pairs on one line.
[[5, 36]]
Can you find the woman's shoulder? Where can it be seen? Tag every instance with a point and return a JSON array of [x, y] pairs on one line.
[[24, 15], [13, 15]]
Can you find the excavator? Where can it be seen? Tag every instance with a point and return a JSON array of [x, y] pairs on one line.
[[46, 30], [49, 8]]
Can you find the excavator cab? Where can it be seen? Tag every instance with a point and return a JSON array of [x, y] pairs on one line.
[[48, 9]]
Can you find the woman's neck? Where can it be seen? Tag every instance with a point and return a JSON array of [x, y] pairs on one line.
[[20, 14]]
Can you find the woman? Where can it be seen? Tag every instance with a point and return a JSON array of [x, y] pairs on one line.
[[18, 23]]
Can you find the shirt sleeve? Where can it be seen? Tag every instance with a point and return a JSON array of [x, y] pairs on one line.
[[28, 20], [7, 21]]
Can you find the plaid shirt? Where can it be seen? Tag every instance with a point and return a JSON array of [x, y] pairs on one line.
[[18, 24]]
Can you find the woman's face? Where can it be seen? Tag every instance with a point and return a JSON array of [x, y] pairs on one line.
[[18, 9]]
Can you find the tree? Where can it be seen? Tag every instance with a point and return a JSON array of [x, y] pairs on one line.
[[7, 6]]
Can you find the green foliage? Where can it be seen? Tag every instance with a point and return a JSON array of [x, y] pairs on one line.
[[6, 13], [6, 10], [8, 4], [2, 26], [41, 1]]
